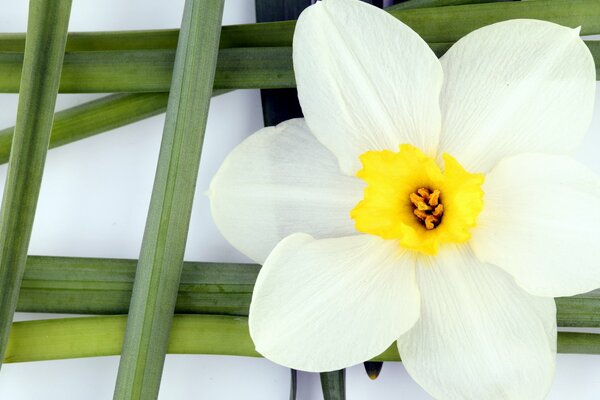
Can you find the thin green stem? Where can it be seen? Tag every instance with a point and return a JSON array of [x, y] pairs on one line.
[[293, 384], [55, 339], [94, 117], [44, 52], [161, 258]]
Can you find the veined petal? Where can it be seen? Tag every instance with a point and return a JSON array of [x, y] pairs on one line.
[[323, 305], [541, 223], [280, 181], [514, 87], [479, 336], [365, 81]]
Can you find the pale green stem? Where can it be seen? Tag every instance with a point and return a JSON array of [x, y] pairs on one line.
[[56, 339]]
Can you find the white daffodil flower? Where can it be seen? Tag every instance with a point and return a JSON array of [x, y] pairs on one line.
[[424, 201]]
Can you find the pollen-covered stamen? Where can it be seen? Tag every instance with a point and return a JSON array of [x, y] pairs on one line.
[[427, 207]]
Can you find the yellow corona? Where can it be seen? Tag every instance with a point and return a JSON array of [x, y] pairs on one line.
[[409, 198]]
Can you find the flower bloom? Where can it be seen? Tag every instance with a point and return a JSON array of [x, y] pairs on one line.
[[424, 201]]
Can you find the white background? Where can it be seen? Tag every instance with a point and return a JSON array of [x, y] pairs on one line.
[[94, 201]]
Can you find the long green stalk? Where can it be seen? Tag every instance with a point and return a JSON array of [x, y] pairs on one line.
[[101, 41], [435, 24], [44, 50], [103, 286], [410, 4], [151, 70], [56, 339], [442, 24], [568, 342], [161, 258], [459, 21], [94, 117]]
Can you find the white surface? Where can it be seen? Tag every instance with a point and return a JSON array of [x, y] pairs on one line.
[[94, 201]]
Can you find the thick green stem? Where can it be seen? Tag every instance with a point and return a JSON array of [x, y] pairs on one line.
[[151, 70], [161, 258], [333, 385], [56, 339], [44, 51], [103, 286]]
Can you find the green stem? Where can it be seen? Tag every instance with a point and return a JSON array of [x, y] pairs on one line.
[[293, 384], [582, 310], [101, 41], [333, 385], [435, 24], [161, 258], [568, 342], [103, 286], [151, 70], [407, 5], [56, 339], [44, 51], [443, 24], [95, 117]]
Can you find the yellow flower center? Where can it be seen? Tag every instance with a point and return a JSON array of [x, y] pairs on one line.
[[410, 199]]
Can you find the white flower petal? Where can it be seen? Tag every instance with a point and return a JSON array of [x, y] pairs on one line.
[[322, 305], [365, 81], [513, 87], [541, 223], [479, 336], [280, 181]]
